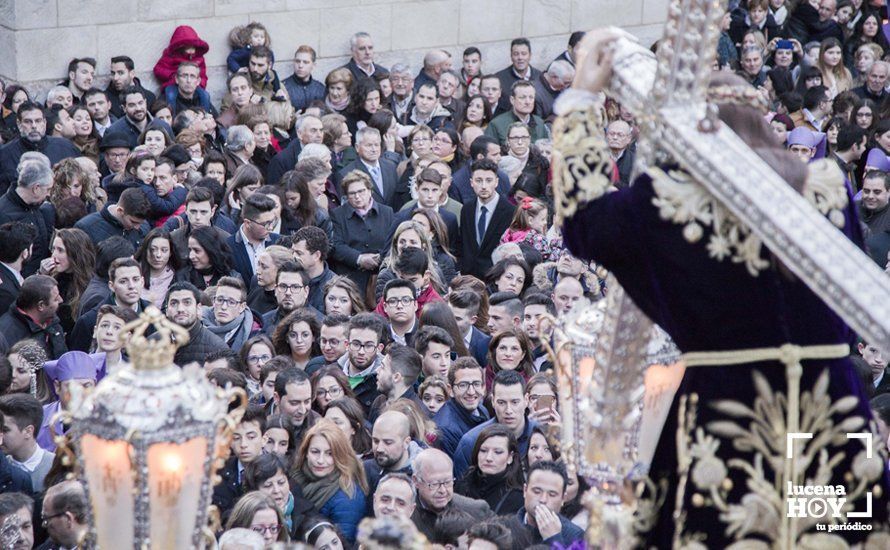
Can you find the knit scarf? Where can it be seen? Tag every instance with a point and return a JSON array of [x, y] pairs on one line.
[[317, 490], [289, 512], [235, 332], [339, 105]]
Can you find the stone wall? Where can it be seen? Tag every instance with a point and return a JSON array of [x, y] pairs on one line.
[[39, 37]]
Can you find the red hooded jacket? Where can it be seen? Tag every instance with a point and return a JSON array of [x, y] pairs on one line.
[[183, 37]]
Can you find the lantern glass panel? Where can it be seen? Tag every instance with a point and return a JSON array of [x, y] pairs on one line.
[[175, 474], [108, 472]]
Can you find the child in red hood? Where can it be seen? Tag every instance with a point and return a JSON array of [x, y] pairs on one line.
[[185, 45]]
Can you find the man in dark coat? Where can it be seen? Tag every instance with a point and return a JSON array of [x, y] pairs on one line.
[[32, 129], [520, 69], [435, 492], [483, 147], [126, 218], [136, 117], [362, 63], [253, 236], [16, 244], [126, 282], [544, 494], [33, 315], [301, 88], [22, 202], [809, 24], [874, 206], [382, 171], [483, 220], [361, 228], [123, 75], [183, 308], [464, 411]]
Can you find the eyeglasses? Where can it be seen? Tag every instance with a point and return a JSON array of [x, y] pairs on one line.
[[116, 155], [289, 288], [464, 386], [404, 301], [223, 301], [358, 193], [325, 342], [262, 529], [435, 485], [268, 225], [519, 138], [259, 358], [46, 519], [334, 392], [355, 345]]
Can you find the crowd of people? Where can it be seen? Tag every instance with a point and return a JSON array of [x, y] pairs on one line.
[[370, 254], [367, 253]]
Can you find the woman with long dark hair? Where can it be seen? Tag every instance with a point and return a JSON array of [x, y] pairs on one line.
[[365, 99], [495, 472], [509, 349], [348, 415], [208, 258], [296, 336], [160, 265], [72, 263], [301, 204]]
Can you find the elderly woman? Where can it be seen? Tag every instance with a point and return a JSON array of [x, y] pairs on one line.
[[240, 145]]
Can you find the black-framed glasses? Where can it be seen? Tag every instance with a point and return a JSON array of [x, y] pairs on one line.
[[404, 301], [464, 386], [46, 519], [289, 288], [355, 345], [262, 529], [223, 301], [333, 391]]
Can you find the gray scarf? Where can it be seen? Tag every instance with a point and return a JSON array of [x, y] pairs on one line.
[[235, 332]]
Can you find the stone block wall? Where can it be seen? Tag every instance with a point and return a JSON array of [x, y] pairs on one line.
[[39, 37]]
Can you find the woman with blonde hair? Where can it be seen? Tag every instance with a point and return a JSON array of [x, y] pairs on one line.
[[331, 476], [835, 76], [410, 233], [423, 429], [262, 298], [71, 179], [258, 512]]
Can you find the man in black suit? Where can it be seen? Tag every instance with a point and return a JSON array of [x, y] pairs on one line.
[[253, 236], [520, 69], [465, 305], [483, 220], [878, 364], [362, 63], [16, 242], [383, 173], [361, 230]]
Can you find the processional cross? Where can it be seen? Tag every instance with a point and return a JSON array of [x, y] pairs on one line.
[[668, 95]]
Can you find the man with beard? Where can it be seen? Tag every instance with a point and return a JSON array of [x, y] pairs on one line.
[[80, 77], [360, 364], [230, 318], [291, 292], [464, 411], [293, 400], [263, 77], [311, 248], [135, 118], [392, 446], [33, 315], [126, 283], [32, 137], [97, 104], [396, 377], [123, 76], [183, 307]]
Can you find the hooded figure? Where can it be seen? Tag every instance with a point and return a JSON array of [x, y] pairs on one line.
[[85, 369], [184, 38], [808, 138]]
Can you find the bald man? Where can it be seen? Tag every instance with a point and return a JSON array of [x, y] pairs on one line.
[[619, 135], [434, 479], [434, 62], [393, 449], [64, 514], [567, 291]]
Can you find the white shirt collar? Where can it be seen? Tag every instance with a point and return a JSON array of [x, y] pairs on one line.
[[490, 205], [32, 463], [16, 273]]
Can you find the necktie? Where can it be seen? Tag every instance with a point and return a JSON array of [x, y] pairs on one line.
[[480, 226], [378, 181]]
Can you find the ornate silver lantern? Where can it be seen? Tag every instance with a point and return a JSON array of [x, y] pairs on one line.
[[611, 418], [148, 442]]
